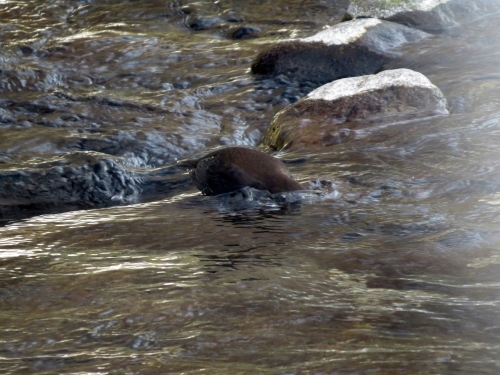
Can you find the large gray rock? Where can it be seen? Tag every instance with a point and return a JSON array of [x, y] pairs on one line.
[[325, 116], [347, 49], [422, 14]]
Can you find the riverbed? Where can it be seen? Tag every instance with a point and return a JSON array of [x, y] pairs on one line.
[[392, 267]]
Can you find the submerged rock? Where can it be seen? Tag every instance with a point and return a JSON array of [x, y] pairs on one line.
[[244, 32], [325, 116], [425, 15], [348, 49], [79, 179], [6, 116]]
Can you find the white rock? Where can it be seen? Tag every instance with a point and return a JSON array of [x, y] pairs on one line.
[[358, 85], [342, 110]]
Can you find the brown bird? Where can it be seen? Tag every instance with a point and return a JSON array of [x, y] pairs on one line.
[[232, 168]]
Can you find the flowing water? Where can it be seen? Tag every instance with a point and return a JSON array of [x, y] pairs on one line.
[[394, 269]]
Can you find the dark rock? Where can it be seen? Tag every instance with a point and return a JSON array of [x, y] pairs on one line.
[[244, 32], [15, 77], [6, 116], [328, 114], [26, 50], [212, 22], [348, 49], [204, 23], [83, 179], [316, 62]]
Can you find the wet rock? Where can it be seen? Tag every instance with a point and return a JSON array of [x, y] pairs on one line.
[[6, 116], [426, 15], [137, 149], [18, 78], [204, 23], [347, 49], [201, 22], [26, 50], [244, 32], [83, 179], [329, 114]]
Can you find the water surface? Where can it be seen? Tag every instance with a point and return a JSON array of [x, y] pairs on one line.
[[393, 270]]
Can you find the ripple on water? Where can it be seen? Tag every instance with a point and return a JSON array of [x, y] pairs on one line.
[[392, 269]]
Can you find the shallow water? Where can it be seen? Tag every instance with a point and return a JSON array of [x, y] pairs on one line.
[[394, 269]]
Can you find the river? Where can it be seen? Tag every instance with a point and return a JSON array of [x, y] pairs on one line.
[[393, 269]]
